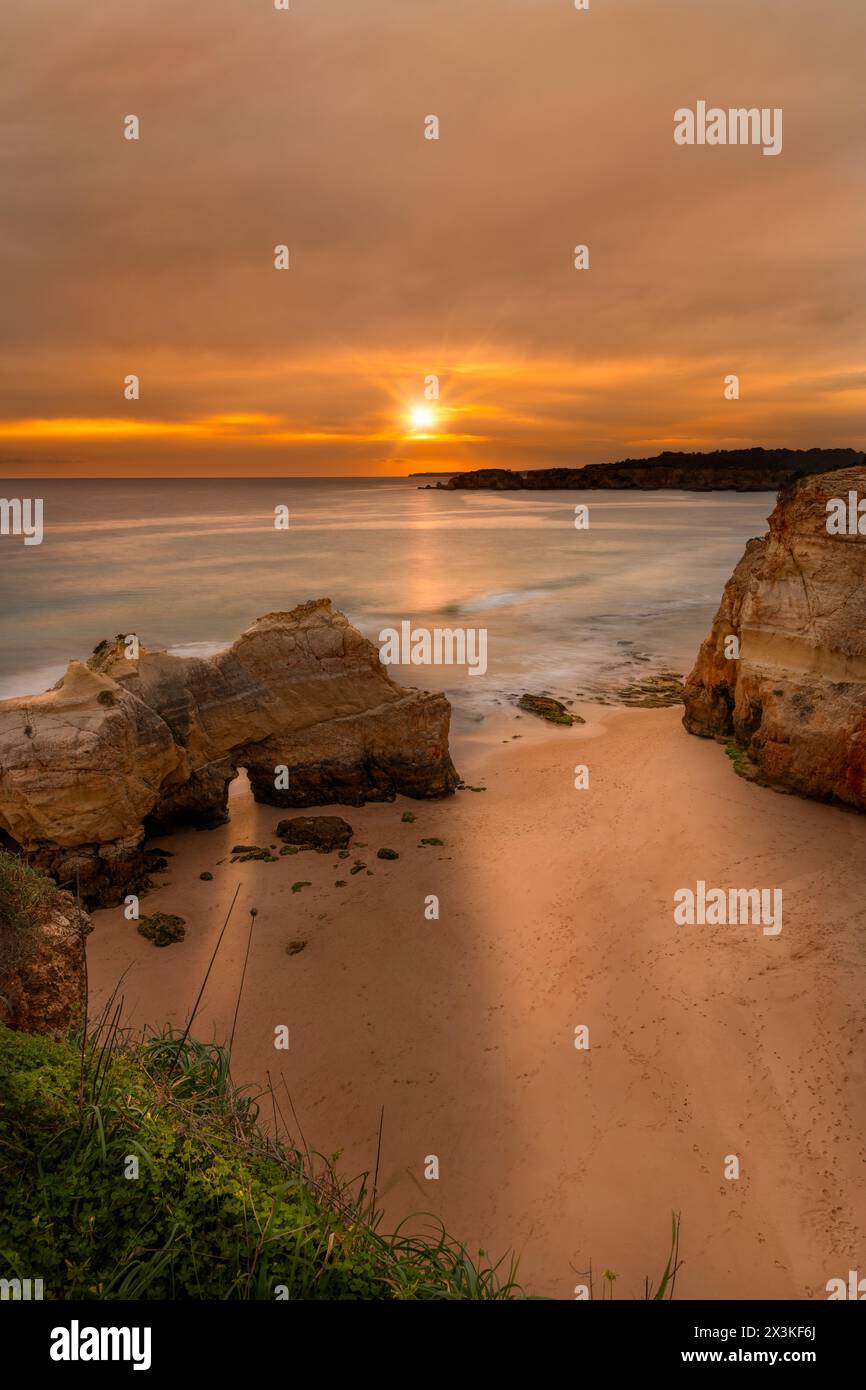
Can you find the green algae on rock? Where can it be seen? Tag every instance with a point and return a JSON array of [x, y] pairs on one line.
[[546, 707], [162, 928]]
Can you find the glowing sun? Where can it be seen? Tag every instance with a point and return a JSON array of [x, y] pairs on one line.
[[421, 417]]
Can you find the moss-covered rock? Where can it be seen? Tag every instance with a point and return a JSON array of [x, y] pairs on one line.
[[546, 707], [162, 928]]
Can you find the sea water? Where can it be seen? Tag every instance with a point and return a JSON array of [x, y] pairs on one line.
[[187, 564]]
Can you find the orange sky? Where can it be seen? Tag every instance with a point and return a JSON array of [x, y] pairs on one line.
[[412, 257]]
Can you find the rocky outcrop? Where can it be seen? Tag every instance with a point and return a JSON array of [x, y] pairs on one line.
[[42, 983], [553, 711], [122, 746], [735, 470], [655, 691], [80, 767], [710, 689], [500, 479], [794, 700], [322, 833]]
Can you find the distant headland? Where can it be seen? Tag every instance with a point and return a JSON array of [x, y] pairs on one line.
[[722, 470]]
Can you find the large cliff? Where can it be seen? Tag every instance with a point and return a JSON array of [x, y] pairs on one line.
[[730, 470], [125, 746], [794, 699]]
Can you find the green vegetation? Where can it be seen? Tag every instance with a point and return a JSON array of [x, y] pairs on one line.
[[738, 756], [26, 896], [666, 1284], [220, 1210], [387, 854], [163, 928]]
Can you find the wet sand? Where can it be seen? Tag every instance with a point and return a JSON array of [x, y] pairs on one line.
[[556, 910]]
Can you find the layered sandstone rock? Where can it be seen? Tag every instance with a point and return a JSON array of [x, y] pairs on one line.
[[794, 703], [80, 767], [123, 746]]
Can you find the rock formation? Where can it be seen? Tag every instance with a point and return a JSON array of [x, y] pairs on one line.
[[553, 711], [123, 747], [42, 985], [794, 703], [737, 470], [80, 767], [322, 833]]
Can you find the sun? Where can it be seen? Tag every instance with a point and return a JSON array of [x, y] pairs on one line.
[[421, 417]]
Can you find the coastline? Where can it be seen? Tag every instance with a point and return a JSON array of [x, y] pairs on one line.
[[556, 910]]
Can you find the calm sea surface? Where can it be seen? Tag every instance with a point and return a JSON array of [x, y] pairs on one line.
[[188, 564]]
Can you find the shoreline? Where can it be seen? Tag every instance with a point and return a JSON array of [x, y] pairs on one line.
[[556, 909]]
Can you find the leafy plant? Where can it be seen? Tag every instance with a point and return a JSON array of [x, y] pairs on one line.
[[219, 1209], [25, 899]]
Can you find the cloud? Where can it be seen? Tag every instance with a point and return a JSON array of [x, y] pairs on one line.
[[410, 256]]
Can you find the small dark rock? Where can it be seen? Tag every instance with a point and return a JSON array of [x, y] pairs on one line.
[[322, 833]]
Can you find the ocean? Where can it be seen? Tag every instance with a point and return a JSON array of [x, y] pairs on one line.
[[187, 564]]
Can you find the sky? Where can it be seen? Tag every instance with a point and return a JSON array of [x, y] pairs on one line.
[[410, 257]]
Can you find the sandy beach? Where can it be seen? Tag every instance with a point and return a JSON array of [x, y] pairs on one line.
[[556, 910]]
